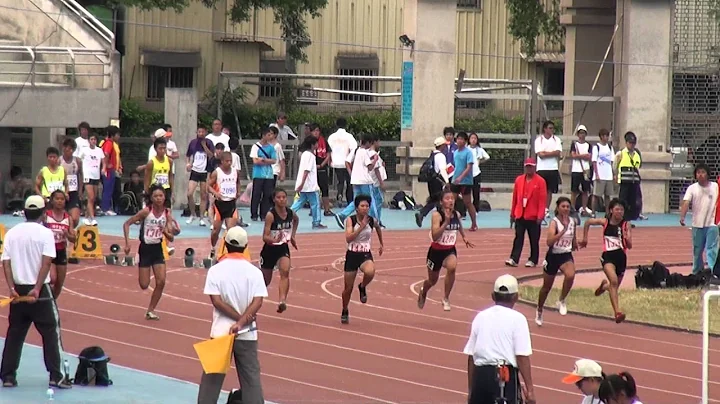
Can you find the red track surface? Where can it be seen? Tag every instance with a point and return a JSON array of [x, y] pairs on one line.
[[391, 351]]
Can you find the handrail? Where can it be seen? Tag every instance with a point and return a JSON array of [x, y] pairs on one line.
[[70, 52], [53, 49], [90, 20]]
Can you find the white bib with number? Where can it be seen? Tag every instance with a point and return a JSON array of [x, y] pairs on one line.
[[152, 228], [226, 184], [565, 243], [361, 247], [72, 182], [162, 179], [286, 235], [612, 243], [53, 186], [448, 238]]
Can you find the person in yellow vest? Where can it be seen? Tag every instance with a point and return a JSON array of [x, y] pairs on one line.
[[158, 171], [52, 177], [628, 162]]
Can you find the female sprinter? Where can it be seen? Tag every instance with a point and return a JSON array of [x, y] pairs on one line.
[[619, 389], [280, 227], [616, 241], [358, 234], [154, 224], [562, 241], [62, 226], [442, 253]]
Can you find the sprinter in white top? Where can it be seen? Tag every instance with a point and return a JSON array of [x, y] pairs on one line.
[[358, 234], [155, 223], [224, 185], [561, 241]]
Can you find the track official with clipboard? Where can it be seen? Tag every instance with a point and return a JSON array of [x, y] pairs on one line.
[[28, 250], [236, 289]]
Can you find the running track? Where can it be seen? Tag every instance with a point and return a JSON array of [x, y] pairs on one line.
[[391, 352]]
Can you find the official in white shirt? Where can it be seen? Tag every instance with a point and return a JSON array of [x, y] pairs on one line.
[[29, 248], [342, 144], [236, 289], [500, 340], [587, 376]]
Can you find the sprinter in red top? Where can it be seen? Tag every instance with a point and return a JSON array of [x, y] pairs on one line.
[[62, 226]]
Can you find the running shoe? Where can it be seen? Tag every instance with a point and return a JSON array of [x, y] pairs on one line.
[[62, 384], [530, 264], [10, 382], [446, 304], [421, 298], [363, 293], [562, 307], [619, 317], [345, 316], [151, 316], [340, 221], [511, 262], [418, 219], [539, 318], [281, 307]]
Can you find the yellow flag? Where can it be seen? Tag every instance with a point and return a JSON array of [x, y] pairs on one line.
[[4, 302], [215, 354]]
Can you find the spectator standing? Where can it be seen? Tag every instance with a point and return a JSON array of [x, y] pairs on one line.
[[480, 156], [362, 162], [279, 166], [342, 144], [528, 202], [17, 189], [236, 289], [628, 162], [82, 141], [218, 136], [322, 157], [285, 133], [449, 149], [29, 249], [587, 376], [499, 337], [437, 183], [306, 184], [264, 156], [113, 168], [703, 197], [548, 149], [580, 171], [199, 152], [603, 160], [462, 181]]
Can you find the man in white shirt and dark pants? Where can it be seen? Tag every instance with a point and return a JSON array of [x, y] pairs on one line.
[[28, 251], [500, 345], [342, 144], [548, 149], [236, 289]]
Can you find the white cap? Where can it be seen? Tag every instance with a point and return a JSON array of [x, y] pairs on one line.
[[236, 236], [583, 368], [506, 284], [160, 133], [581, 127], [439, 141], [35, 202]]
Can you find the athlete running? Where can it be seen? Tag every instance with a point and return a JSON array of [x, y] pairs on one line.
[[154, 223], [617, 239], [63, 228], [73, 171], [358, 234], [562, 241], [224, 185], [442, 252], [281, 224]]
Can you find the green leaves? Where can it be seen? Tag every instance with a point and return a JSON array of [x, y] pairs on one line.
[[529, 19]]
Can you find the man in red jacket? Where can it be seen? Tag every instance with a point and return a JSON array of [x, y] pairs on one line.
[[527, 211]]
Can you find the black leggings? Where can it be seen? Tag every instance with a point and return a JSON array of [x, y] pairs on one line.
[[476, 193]]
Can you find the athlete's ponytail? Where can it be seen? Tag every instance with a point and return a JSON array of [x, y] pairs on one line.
[[615, 385]]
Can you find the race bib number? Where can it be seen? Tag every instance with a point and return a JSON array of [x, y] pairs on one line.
[[228, 190], [154, 233], [54, 186], [563, 243], [360, 247], [200, 157], [72, 183], [162, 179], [448, 238], [285, 236], [59, 236], [612, 243]]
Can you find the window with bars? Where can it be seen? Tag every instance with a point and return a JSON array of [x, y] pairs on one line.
[[159, 78], [554, 85], [469, 3], [361, 85], [271, 87]]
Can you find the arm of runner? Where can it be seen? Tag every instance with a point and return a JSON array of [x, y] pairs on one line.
[[468, 244], [39, 183], [267, 236], [553, 235], [437, 226], [126, 226], [378, 230]]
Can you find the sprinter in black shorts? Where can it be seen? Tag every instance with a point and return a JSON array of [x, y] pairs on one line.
[[562, 241], [358, 234], [442, 252], [280, 227], [224, 185], [617, 239]]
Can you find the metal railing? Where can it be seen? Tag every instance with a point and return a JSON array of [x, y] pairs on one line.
[[91, 21], [56, 65]]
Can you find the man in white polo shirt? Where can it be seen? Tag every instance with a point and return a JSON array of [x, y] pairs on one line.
[[548, 149], [28, 250], [499, 344], [236, 289], [342, 144]]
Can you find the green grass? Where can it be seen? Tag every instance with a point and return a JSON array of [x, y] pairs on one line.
[[670, 307]]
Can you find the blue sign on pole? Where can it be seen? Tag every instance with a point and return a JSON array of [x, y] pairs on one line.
[[406, 114]]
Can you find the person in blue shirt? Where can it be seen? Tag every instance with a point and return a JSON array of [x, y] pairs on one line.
[[263, 155], [462, 181]]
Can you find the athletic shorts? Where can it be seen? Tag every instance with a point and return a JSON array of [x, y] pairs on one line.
[[552, 180], [150, 254], [553, 262], [271, 254], [323, 181], [461, 189], [73, 201], [616, 257], [578, 183], [198, 177], [354, 260], [60, 257], [436, 257], [225, 209], [603, 188], [90, 181]]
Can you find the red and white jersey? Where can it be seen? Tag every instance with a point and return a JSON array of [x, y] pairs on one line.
[[58, 227], [151, 229]]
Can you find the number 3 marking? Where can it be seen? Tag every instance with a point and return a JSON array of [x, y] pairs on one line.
[[91, 243]]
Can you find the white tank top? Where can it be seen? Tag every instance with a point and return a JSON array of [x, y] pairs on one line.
[[362, 242], [151, 229], [71, 171], [565, 243], [226, 184]]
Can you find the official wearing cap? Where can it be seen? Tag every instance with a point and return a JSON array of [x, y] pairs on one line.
[[587, 376], [236, 289], [499, 347], [28, 250]]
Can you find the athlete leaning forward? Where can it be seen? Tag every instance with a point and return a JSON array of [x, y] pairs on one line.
[[63, 228], [281, 224], [617, 239], [562, 241], [358, 234], [224, 185], [446, 223], [156, 222]]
